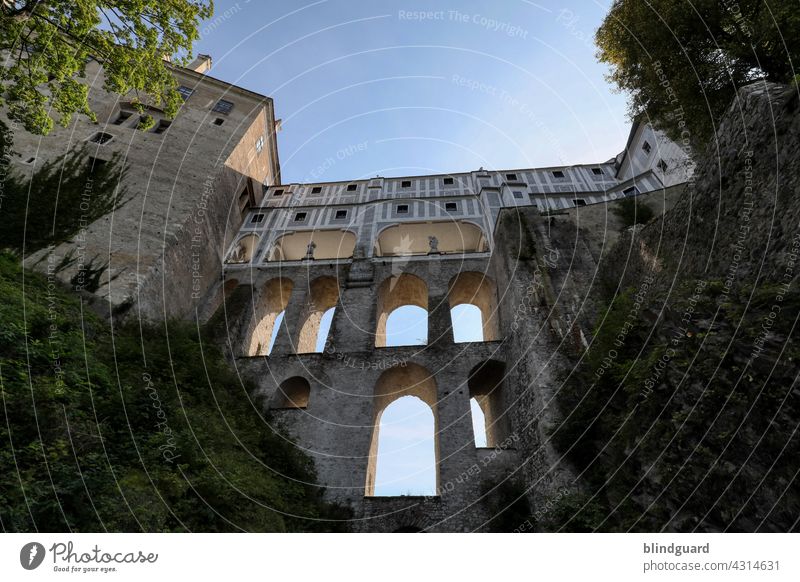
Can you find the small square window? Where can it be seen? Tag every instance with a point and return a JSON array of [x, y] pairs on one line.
[[340, 214], [351, 187], [257, 218], [402, 209], [218, 121], [451, 206], [96, 164], [448, 181], [579, 202], [511, 176], [558, 174], [122, 117], [597, 171], [260, 144], [405, 184], [662, 165], [222, 106], [185, 92], [162, 126], [630, 191], [518, 195], [101, 138], [647, 147], [316, 189], [300, 216], [278, 192]]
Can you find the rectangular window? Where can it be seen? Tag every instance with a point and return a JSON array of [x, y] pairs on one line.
[[260, 144], [558, 174], [351, 187], [512, 177], [162, 126], [448, 181], [632, 191], [340, 214], [316, 190], [518, 195], [122, 117], [451, 206], [222, 106], [185, 92], [218, 121], [101, 138], [257, 218], [662, 165], [647, 147], [579, 202], [597, 171], [300, 216], [402, 209], [405, 184], [278, 193]]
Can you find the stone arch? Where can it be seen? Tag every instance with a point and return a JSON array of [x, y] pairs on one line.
[[413, 238], [293, 392], [323, 294], [409, 380], [244, 249], [329, 244], [272, 301], [397, 291], [485, 384], [478, 289]]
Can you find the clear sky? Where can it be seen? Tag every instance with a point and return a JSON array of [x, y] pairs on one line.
[[389, 88], [369, 88]]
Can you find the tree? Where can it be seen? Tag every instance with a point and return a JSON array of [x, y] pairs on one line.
[[48, 43], [682, 61]]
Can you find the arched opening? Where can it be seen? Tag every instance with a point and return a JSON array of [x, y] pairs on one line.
[[407, 326], [268, 315], [323, 295], [478, 423], [316, 244], [424, 238], [485, 390], [244, 249], [395, 292], [393, 386], [467, 323], [478, 290], [406, 463], [292, 393]]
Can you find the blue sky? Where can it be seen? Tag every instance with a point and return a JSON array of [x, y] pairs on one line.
[[372, 88], [369, 88]]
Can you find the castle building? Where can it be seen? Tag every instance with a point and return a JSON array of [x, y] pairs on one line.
[[210, 231]]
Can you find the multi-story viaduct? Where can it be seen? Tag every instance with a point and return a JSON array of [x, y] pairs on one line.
[[274, 258]]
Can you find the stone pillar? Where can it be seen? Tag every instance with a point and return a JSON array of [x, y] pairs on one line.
[[353, 327], [440, 330], [286, 340], [456, 442]]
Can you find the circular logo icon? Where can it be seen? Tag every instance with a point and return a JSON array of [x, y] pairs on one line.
[[31, 555]]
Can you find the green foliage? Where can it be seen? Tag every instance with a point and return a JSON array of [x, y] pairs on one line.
[[632, 211], [682, 61], [134, 429], [57, 200], [50, 43], [682, 422]]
